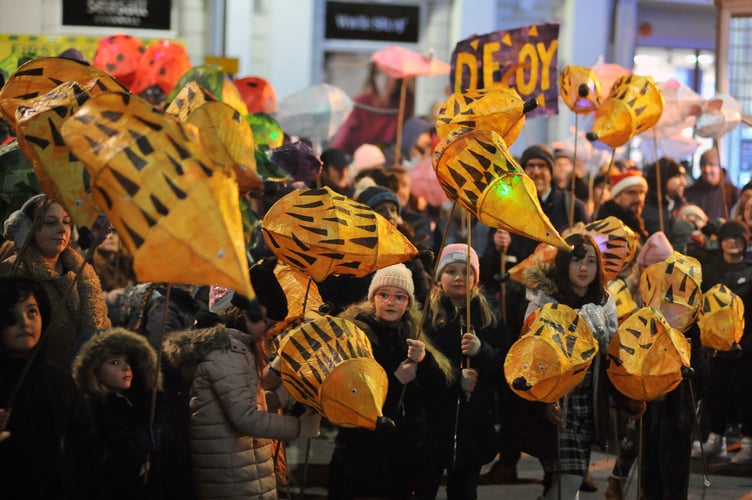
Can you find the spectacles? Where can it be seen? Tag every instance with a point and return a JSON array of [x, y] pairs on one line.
[[397, 298], [531, 165]]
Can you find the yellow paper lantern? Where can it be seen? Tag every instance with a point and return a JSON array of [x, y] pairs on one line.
[[176, 214], [476, 170], [633, 106], [721, 318], [647, 358], [672, 286], [325, 233], [328, 365], [622, 297], [500, 109], [61, 175], [579, 88], [552, 356], [617, 242]]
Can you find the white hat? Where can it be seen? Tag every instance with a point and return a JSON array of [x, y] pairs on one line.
[[397, 275]]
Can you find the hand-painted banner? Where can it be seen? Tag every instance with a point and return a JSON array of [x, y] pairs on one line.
[[522, 58]]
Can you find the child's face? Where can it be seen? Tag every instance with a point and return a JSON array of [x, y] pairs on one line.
[[582, 271], [454, 281], [19, 339], [390, 303], [116, 373]]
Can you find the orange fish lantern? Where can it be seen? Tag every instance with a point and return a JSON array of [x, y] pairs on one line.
[[324, 233], [622, 297], [672, 286], [580, 89], [119, 56], [39, 76], [328, 365], [476, 170], [500, 109], [542, 258], [646, 357], [617, 243], [177, 215], [225, 135], [721, 319], [552, 356], [61, 175], [633, 106]]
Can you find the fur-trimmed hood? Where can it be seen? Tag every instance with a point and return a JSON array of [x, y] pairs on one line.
[[103, 346], [188, 348], [539, 277]]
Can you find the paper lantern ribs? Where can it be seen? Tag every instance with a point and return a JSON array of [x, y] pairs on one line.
[[647, 358], [476, 170], [324, 233], [178, 216], [672, 286], [328, 365], [633, 106], [499, 109], [617, 242], [721, 319], [552, 356]]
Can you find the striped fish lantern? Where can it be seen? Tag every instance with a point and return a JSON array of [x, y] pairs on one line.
[[580, 89], [646, 357], [622, 297], [328, 365], [617, 243], [721, 319], [500, 109], [325, 233], [61, 175], [476, 170], [672, 286], [552, 356], [224, 133], [39, 76], [177, 215], [633, 106]]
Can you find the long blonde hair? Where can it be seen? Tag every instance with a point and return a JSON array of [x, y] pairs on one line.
[[438, 314], [412, 329]]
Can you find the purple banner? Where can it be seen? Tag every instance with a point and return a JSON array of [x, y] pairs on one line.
[[522, 58]]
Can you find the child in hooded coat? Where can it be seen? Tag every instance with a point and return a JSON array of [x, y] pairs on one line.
[[116, 370]]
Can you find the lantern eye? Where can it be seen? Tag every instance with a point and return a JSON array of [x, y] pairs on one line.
[[525, 366], [354, 390], [542, 367]]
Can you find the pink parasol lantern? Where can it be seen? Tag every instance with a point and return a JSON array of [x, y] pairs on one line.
[[424, 183], [402, 63]]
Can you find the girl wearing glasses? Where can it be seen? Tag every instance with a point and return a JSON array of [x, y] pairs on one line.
[[392, 463], [462, 415]]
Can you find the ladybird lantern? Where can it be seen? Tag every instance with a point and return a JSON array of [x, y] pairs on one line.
[[119, 55], [633, 106]]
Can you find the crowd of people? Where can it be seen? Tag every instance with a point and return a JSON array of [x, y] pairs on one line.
[[119, 389]]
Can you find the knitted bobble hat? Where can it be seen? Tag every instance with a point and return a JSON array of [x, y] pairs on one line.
[[457, 252], [398, 276]]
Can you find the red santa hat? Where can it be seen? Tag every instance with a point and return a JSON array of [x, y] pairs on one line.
[[625, 180]]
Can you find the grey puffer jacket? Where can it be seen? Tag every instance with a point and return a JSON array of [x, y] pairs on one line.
[[231, 431]]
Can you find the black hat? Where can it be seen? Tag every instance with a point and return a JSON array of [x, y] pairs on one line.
[[734, 229], [335, 158], [376, 195], [269, 292], [540, 152]]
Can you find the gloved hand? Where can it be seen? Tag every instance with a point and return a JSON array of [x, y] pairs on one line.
[[469, 379], [284, 397], [310, 423], [470, 344], [416, 350], [406, 371]]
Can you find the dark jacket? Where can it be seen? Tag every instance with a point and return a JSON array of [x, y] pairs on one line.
[[476, 443], [636, 224], [389, 463], [710, 198], [51, 450]]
